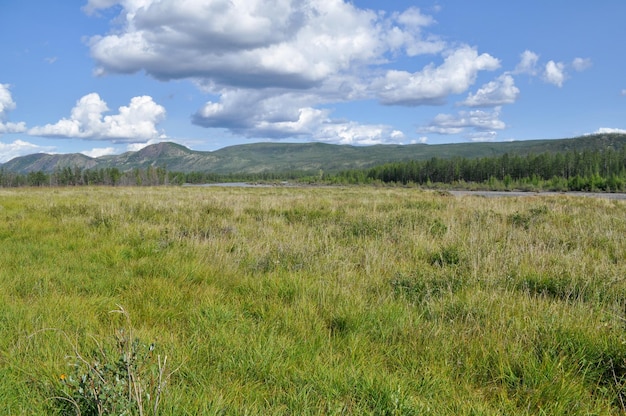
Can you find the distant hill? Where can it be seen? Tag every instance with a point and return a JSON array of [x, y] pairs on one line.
[[306, 157], [48, 163]]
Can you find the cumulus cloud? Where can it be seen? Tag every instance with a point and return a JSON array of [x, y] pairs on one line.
[[9, 127], [479, 121], [280, 113], [408, 33], [433, 84], [260, 115], [554, 73], [18, 148], [254, 113], [7, 105], [281, 43], [133, 123], [6, 101], [528, 63], [270, 65], [495, 93], [357, 134]]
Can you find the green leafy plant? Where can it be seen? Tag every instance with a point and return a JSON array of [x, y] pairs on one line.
[[127, 378]]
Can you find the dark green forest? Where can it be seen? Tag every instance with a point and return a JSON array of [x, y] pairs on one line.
[[589, 170], [151, 176], [598, 170]]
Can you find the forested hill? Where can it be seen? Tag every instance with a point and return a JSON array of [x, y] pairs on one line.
[[302, 157]]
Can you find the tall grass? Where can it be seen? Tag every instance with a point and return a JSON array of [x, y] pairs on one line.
[[319, 300]]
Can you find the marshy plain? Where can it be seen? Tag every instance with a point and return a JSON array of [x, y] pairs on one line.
[[310, 300]]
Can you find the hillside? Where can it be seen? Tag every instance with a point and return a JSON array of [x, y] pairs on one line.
[[308, 157]]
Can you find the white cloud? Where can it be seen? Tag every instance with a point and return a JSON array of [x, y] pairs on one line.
[[273, 63], [581, 64], [483, 122], [9, 127], [419, 140], [433, 84], [7, 105], [6, 101], [308, 118], [413, 17], [270, 63], [498, 92], [134, 123], [258, 115], [134, 147], [273, 67], [608, 130], [99, 151], [528, 63], [352, 133], [10, 151], [397, 135], [408, 34], [280, 43], [623, 93], [554, 73]]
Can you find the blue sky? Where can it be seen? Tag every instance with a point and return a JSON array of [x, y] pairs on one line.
[[106, 76]]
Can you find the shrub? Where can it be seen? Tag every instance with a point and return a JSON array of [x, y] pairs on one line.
[[124, 379]]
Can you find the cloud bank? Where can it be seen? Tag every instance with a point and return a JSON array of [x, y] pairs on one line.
[[273, 68]]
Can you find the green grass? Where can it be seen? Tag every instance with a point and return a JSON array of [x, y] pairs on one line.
[[336, 301]]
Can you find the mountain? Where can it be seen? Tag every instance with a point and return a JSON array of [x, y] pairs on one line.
[[48, 163], [308, 157]]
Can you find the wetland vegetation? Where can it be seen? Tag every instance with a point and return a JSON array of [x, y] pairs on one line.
[[310, 300]]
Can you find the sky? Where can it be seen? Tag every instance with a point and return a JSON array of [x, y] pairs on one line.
[[104, 77]]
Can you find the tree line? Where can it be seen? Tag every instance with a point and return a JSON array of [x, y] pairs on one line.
[[77, 176], [588, 170], [151, 176]]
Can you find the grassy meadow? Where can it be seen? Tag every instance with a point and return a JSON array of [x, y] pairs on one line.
[[308, 301]]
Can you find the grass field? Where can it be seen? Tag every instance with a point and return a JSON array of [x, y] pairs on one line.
[[335, 301]]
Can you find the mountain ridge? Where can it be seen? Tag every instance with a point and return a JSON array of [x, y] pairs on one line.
[[306, 157]]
